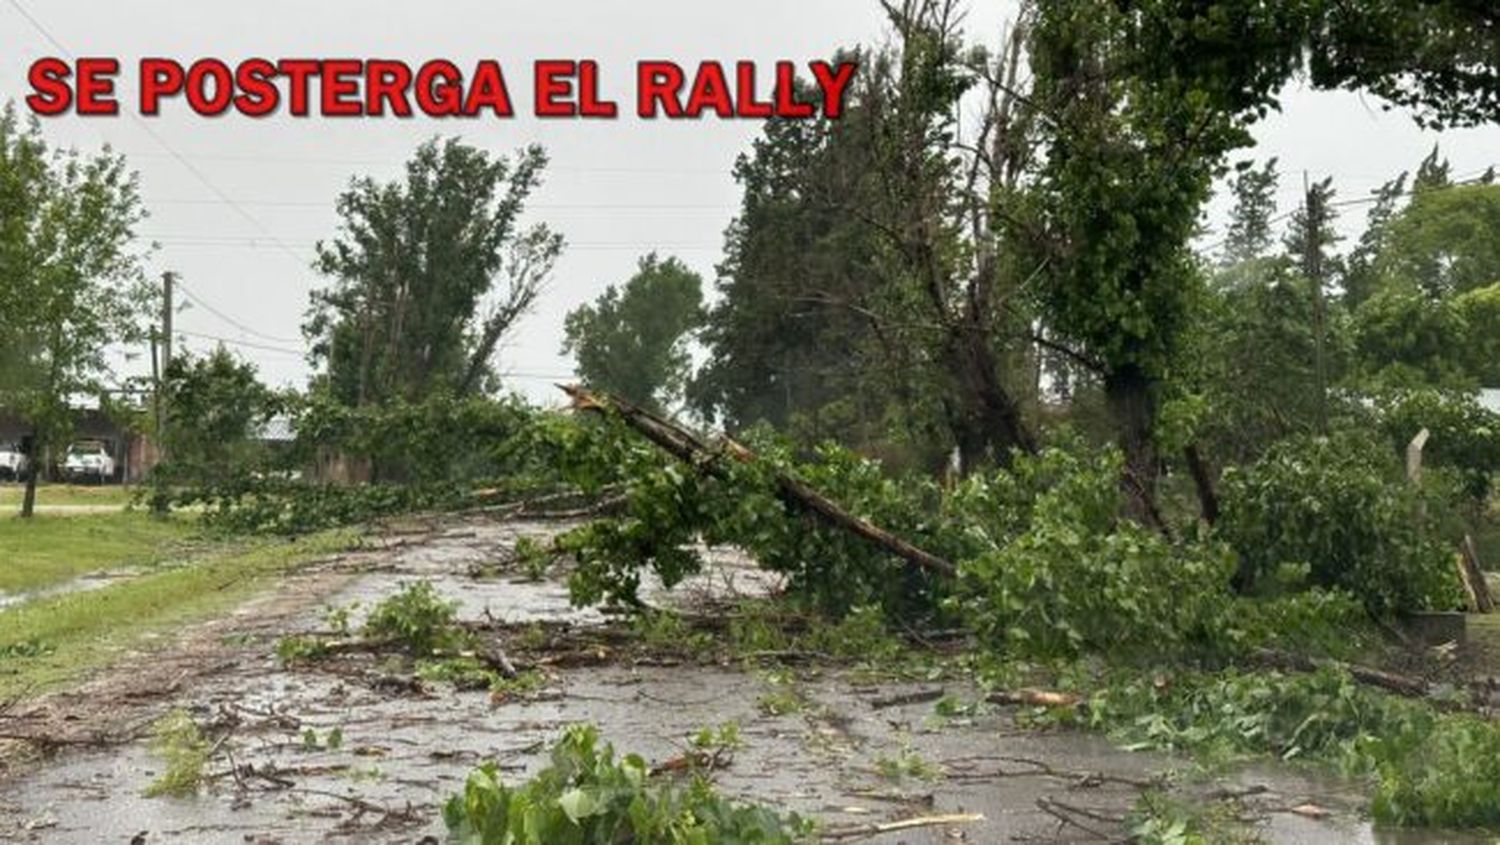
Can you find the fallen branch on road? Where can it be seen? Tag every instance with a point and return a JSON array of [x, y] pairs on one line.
[[689, 448], [865, 831]]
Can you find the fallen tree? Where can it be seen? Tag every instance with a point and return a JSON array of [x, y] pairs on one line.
[[690, 449]]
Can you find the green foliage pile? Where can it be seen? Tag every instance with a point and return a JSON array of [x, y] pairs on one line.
[[442, 438], [1335, 512], [282, 506], [1058, 572], [427, 455], [670, 506], [1428, 768], [1159, 819], [588, 796]]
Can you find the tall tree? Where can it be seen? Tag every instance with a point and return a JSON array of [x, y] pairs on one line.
[[1361, 276], [428, 273], [782, 345], [1142, 100], [218, 404], [1249, 236], [632, 340], [70, 283], [1132, 150], [877, 237], [1444, 241]]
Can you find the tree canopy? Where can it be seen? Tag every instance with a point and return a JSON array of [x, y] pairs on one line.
[[428, 273], [71, 282], [631, 341]]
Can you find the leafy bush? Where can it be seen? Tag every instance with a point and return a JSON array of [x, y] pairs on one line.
[[297, 648], [1074, 576], [586, 796], [416, 617], [1335, 512], [1465, 436]]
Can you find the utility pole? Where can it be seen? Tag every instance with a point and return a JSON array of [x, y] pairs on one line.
[[167, 279], [1312, 267]]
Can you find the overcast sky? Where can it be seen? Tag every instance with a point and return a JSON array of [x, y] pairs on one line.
[[615, 189]]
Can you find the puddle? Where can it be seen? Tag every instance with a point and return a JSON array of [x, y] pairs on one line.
[[403, 753], [83, 583]]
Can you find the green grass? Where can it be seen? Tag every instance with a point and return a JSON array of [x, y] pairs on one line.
[[68, 494], [48, 548], [52, 641]]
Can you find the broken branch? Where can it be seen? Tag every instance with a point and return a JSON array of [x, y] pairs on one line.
[[687, 447]]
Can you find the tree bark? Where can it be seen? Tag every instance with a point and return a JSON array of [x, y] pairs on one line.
[[1203, 480], [28, 501], [988, 424], [1127, 393]]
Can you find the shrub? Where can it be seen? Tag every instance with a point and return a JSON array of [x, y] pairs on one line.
[[587, 796], [1465, 437], [416, 617], [1335, 512]]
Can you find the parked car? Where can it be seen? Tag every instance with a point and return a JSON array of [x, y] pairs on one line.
[[12, 462], [88, 461]]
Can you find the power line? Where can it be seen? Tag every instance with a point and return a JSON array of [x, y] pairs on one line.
[[564, 206], [228, 319], [245, 343], [366, 162], [1475, 178], [181, 159]]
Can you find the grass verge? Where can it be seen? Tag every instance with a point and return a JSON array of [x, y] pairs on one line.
[[51, 641], [49, 549], [67, 494]]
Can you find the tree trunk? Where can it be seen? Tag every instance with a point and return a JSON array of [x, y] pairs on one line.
[[1127, 392], [1203, 480], [28, 501], [987, 424]]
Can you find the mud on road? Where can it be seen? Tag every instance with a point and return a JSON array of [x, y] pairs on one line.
[[407, 745]]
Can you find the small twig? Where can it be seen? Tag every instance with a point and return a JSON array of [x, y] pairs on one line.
[[1068, 814], [899, 699], [864, 831]]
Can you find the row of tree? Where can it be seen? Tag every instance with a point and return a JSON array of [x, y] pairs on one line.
[[990, 237]]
